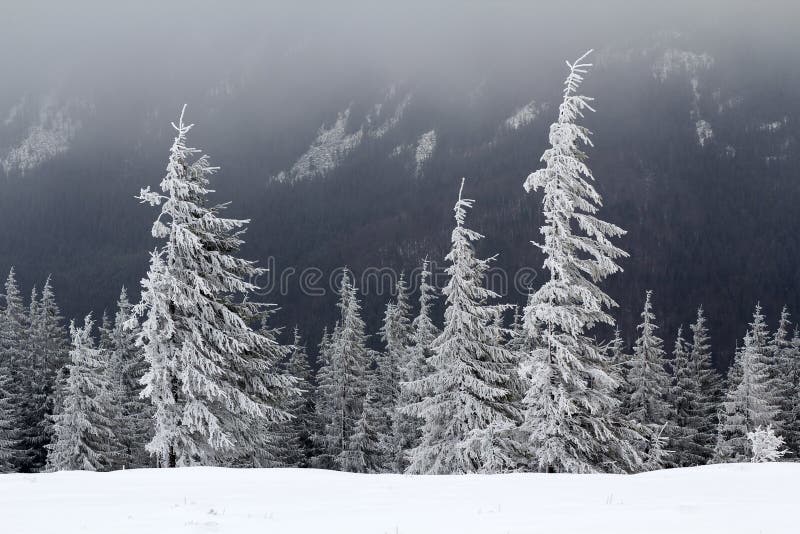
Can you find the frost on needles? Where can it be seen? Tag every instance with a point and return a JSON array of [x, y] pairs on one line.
[[212, 379], [570, 409]]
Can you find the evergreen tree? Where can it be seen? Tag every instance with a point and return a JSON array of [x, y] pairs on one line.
[[82, 429], [571, 408], [397, 334], [709, 388], [296, 445], [621, 365], [14, 360], [466, 400], [784, 382], [749, 401], [212, 378], [126, 367], [793, 430], [687, 407], [324, 453], [54, 345], [417, 366], [648, 376], [342, 383], [31, 404], [366, 452], [11, 331]]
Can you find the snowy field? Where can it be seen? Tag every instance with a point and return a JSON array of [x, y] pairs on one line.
[[735, 498]]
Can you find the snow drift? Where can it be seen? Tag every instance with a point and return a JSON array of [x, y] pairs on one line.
[[731, 498]]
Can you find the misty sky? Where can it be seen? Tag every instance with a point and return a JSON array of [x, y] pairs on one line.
[[172, 46]]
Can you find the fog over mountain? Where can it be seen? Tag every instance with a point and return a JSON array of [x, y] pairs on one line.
[[342, 130]]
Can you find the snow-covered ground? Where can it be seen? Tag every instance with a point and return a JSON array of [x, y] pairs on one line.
[[735, 498]]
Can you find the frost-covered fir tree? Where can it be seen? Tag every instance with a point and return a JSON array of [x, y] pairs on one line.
[[13, 359], [766, 445], [126, 367], [366, 451], [784, 382], [749, 402], [424, 331], [709, 384], [323, 457], [685, 396], [211, 377], [466, 399], [793, 430], [423, 335], [296, 443], [82, 429], [31, 423], [10, 336], [621, 363], [342, 383], [397, 334], [55, 346], [571, 411], [648, 403]]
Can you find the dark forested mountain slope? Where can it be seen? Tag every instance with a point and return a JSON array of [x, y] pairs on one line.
[[696, 156]]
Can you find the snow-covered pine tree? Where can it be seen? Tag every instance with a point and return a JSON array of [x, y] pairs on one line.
[[13, 357], [621, 364], [423, 336], [82, 429], [424, 331], [749, 403], [571, 411], [11, 331], [709, 388], [324, 457], [648, 403], [126, 367], [266, 446], [294, 445], [687, 407], [784, 382], [793, 431], [212, 379], [397, 334], [55, 350], [342, 382], [766, 445], [366, 449], [466, 405], [32, 426]]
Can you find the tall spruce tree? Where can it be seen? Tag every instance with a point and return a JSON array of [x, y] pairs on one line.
[[11, 332], [648, 403], [749, 402], [784, 382], [466, 399], [14, 359], [423, 336], [571, 410], [685, 397], [212, 378], [296, 434], [82, 429], [709, 388], [31, 422], [126, 367], [324, 397], [793, 432], [397, 334], [55, 346], [343, 383]]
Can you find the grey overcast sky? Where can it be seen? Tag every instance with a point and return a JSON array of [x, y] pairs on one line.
[[118, 45]]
